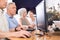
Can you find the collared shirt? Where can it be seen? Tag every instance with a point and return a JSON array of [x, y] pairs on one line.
[[1, 12], [3, 22], [11, 21]]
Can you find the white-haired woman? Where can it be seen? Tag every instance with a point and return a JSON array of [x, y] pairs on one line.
[[23, 18]]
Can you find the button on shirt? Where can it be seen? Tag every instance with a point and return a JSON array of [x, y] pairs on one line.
[[11, 21]]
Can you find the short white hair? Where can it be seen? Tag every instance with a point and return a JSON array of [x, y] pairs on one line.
[[21, 11], [10, 4]]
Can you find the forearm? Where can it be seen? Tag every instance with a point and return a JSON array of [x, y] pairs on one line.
[[6, 34], [12, 30], [3, 34]]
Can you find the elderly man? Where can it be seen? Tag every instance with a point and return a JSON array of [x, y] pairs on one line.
[[4, 29], [3, 21], [12, 22]]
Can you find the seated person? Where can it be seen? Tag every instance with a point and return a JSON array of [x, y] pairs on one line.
[[11, 11], [4, 32], [32, 18], [23, 18]]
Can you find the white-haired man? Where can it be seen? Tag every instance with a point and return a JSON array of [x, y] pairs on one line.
[[4, 29]]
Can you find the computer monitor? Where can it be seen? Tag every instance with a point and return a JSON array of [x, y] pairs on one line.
[[41, 17]]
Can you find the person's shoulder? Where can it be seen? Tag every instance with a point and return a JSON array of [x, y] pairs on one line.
[[0, 12]]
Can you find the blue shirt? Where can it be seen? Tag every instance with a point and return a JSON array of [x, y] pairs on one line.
[[11, 21]]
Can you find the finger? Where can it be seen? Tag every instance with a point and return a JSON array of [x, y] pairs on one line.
[[18, 29], [27, 34], [21, 28], [23, 36]]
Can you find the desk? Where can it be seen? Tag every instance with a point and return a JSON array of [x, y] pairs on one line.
[[47, 38], [33, 37]]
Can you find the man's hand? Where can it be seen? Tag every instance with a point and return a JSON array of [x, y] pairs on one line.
[[20, 28], [22, 33], [17, 34]]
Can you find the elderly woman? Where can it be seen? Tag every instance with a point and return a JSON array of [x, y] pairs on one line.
[[23, 18]]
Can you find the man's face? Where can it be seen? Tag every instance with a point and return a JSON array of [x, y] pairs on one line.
[[12, 9], [3, 3]]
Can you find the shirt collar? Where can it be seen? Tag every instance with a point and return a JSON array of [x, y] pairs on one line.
[[8, 16], [1, 11]]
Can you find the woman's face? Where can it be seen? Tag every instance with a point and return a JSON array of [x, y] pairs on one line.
[[24, 14], [31, 14]]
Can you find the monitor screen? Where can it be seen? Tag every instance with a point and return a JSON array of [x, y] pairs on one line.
[[41, 16]]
